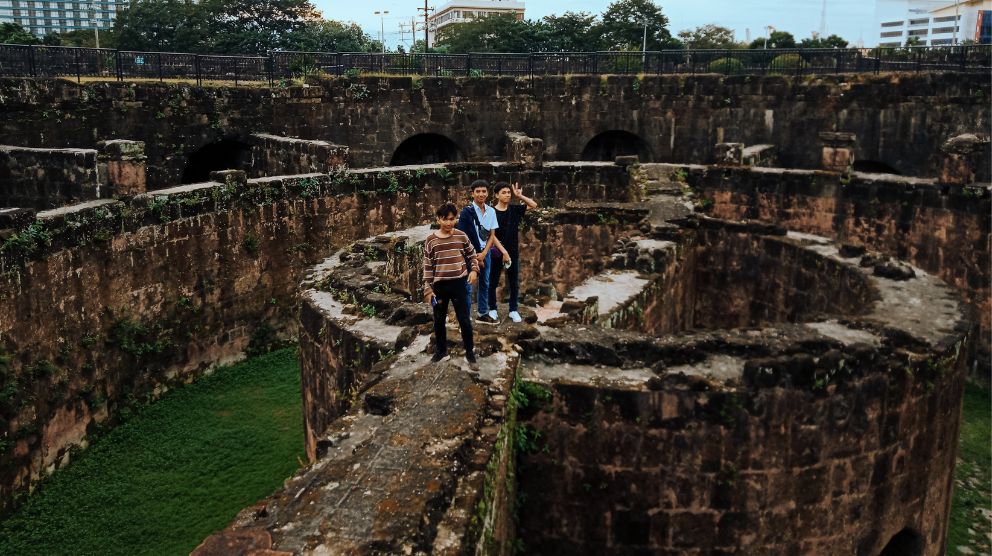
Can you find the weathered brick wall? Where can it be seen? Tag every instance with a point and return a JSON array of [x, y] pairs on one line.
[[746, 472], [110, 304], [281, 156], [945, 230], [46, 178], [680, 118]]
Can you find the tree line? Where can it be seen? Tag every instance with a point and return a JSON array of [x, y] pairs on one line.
[[257, 26]]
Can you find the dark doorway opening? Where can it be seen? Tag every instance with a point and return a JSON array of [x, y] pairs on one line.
[[904, 543], [226, 154], [607, 146], [874, 167], [426, 148]]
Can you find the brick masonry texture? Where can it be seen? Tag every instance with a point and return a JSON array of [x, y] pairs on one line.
[[114, 302], [900, 120]]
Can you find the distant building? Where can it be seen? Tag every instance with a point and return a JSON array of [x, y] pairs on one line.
[[934, 23], [460, 11], [43, 17]]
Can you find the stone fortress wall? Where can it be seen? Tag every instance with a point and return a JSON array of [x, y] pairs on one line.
[[898, 120], [128, 297]]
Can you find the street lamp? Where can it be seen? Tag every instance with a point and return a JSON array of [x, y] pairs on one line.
[[382, 29]]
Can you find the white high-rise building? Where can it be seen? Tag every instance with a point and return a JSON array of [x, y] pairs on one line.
[[460, 11], [43, 17], [931, 22]]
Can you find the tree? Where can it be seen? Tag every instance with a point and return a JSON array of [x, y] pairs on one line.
[[572, 32], [914, 41], [833, 41], [255, 26], [13, 33], [87, 38], [778, 39], [494, 33], [331, 36], [162, 25], [708, 36], [623, 25]]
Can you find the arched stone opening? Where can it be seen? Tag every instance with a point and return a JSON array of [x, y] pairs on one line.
[[426, 148], [874, 167], [607, 146], [904, 543], [226, 154]]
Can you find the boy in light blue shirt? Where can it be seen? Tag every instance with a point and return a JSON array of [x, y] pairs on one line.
[[478, 220]]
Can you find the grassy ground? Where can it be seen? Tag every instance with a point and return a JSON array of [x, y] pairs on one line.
[[179, 470], [971, 510]]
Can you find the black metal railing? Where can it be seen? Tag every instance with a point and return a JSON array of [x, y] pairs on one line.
[[60, 61]]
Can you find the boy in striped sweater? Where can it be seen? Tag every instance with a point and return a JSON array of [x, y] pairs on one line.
[[450, 265]]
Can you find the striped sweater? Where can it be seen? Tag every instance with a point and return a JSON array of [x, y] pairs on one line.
[[447, 258]]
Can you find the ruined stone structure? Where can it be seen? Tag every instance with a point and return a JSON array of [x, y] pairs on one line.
[[729, 357]]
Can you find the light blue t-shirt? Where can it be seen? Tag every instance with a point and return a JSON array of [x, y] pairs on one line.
[[487, 222]]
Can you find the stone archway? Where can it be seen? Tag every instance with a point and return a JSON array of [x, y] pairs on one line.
[[426, 148], [904, 543], [225, 154], [608, 145]]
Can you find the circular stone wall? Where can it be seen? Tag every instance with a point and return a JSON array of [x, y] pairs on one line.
[[829, 425]]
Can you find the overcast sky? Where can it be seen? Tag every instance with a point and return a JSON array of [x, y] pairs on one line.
[[851, 19]]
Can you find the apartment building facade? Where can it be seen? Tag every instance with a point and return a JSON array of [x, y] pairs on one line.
[[461, 11], [932, 23], [42, 17]]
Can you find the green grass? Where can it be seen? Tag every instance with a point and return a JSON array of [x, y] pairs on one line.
[[179, 470], [973, 477]]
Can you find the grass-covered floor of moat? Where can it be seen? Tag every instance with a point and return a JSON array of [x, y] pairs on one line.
[[971, 510], [179, 470], [184, 466]]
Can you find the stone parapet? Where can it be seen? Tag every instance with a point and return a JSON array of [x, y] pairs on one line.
[[272, 155]]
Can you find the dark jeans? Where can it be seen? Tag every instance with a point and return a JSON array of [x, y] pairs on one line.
[[512, 281], [455, 291]]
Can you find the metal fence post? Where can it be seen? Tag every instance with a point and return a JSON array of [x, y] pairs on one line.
[[78, 76], [31, 62], [236, 60], [196, 68], [119, 62], [161, 75], [340, 70], [269, 67], [468, 64], [964, 57], [530, 65]]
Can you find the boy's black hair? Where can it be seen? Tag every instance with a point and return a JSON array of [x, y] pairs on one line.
[[500, 186], [479, 183], [447, 209]]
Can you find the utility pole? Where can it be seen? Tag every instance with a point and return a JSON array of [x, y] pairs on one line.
[[823, 20], [644, 44], [427, 10]]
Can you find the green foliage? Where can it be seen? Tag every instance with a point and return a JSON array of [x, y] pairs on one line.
[[250, 244], [176, 472], [777, 39], [496, 33], [235, 27], [26, 244], [833, 41], [13, 33], [623, 23], [352, 72], [727, 66], [263, 340], [785, 64], [973, 476], [359, 91], [709, 36], [572, 32], [140, 340]]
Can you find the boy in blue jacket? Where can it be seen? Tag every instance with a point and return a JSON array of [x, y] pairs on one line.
[[478, 220]]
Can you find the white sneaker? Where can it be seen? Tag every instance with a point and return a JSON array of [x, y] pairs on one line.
[[494, 315], [515, 316]]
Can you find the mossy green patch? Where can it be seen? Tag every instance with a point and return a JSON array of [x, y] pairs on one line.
[[176, 472], [972, 504]]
